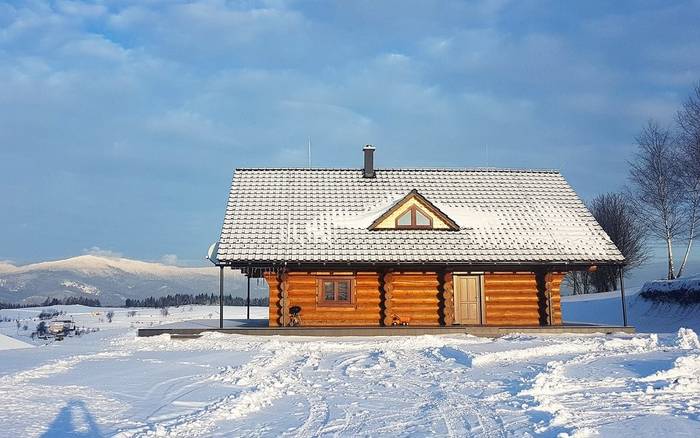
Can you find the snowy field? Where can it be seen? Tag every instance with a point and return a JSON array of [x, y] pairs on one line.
[[110, 383]]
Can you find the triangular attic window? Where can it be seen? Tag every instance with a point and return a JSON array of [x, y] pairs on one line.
[[413, 211]]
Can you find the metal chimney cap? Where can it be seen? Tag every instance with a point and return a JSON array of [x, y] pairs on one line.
[[368, 147]]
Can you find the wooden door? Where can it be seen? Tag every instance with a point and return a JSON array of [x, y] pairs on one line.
[[467, 299]]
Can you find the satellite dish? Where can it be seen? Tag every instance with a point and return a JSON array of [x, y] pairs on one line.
[[212, 253]]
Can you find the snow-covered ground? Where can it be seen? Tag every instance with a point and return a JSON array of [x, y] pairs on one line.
[[110, 383], [646, 316]]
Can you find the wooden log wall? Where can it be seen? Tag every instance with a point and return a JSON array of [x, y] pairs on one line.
[[448, 299], [553, 282], [302, 291], [421, 298], [513, 299], [417, 297], [387, 316], [275, 308]]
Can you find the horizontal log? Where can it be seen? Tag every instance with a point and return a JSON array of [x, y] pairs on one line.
[[496, 308], [507, 288], [367, 292], [327, 273], [331, 309], [512, 303], [339, 316], [505, 317], [415, 309], [491, 296], [497, 319], [515, 323], [505, 277], [415, 284], [511, 293], [419, 321], [400, 274], [428, 282], [401, 301], [516, 282], [427, 292], [369, 309], [295, 291], [340, 323], [307, 308]]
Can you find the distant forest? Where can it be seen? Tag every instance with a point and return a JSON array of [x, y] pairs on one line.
[[186, 300], [69, 301]]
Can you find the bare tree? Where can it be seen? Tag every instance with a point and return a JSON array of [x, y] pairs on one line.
[[615, 214], [657, 192], [579, 282], [688, 121]]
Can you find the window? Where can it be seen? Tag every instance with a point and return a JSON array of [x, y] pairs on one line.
[[335, 291], [414, 217]]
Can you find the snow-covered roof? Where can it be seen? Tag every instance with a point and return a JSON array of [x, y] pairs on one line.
[[322, 216]]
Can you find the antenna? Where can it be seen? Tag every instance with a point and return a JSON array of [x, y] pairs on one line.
[[309, 152]]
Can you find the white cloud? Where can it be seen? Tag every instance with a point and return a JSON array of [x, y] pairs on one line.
[[97, 251], [95, 46]]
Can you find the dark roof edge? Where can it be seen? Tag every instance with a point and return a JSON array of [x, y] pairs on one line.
[[406, 265], [402, 169]]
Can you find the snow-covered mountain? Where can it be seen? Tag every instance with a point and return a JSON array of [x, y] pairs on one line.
[[111, 280]]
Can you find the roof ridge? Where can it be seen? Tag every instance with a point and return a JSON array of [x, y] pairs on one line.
[[403, 169]]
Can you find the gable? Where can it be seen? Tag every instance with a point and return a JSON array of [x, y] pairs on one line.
[[414, 204]]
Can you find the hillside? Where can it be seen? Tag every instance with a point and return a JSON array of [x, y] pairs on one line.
[[111, 280], [647, 315]]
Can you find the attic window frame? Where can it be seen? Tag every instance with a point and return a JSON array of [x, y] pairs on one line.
[[424, 205], [414, 225]]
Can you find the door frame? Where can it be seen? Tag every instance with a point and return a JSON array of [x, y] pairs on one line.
[[480, 296]]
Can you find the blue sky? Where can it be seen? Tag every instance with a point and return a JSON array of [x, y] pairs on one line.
[[121, 121]]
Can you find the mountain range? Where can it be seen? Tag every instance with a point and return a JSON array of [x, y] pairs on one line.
[[112, 280]]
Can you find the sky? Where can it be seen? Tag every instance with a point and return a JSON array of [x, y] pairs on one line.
[[121, 121]]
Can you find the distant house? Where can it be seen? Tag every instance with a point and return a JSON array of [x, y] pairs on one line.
[[379, 247]]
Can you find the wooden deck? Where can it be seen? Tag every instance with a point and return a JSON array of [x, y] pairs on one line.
[[194, 328]]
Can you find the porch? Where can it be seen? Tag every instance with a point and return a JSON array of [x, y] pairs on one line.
[[259, 327]]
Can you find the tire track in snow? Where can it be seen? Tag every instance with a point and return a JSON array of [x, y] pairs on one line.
[[585, 404], [268, 376], [35, 412], [58, 366]]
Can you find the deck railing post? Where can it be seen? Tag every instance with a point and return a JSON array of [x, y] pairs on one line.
[[622, 296], [221, 296], [247, 300]]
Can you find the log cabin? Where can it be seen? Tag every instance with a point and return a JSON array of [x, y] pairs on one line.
[[424, 247]]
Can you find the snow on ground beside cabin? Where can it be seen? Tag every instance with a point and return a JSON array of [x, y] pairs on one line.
[[691, 282], [8, 343], [110, 383], [644, 315]]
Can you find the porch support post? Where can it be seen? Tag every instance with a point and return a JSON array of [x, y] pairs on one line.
[[247, 300], [221, 296], [622, 296]]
